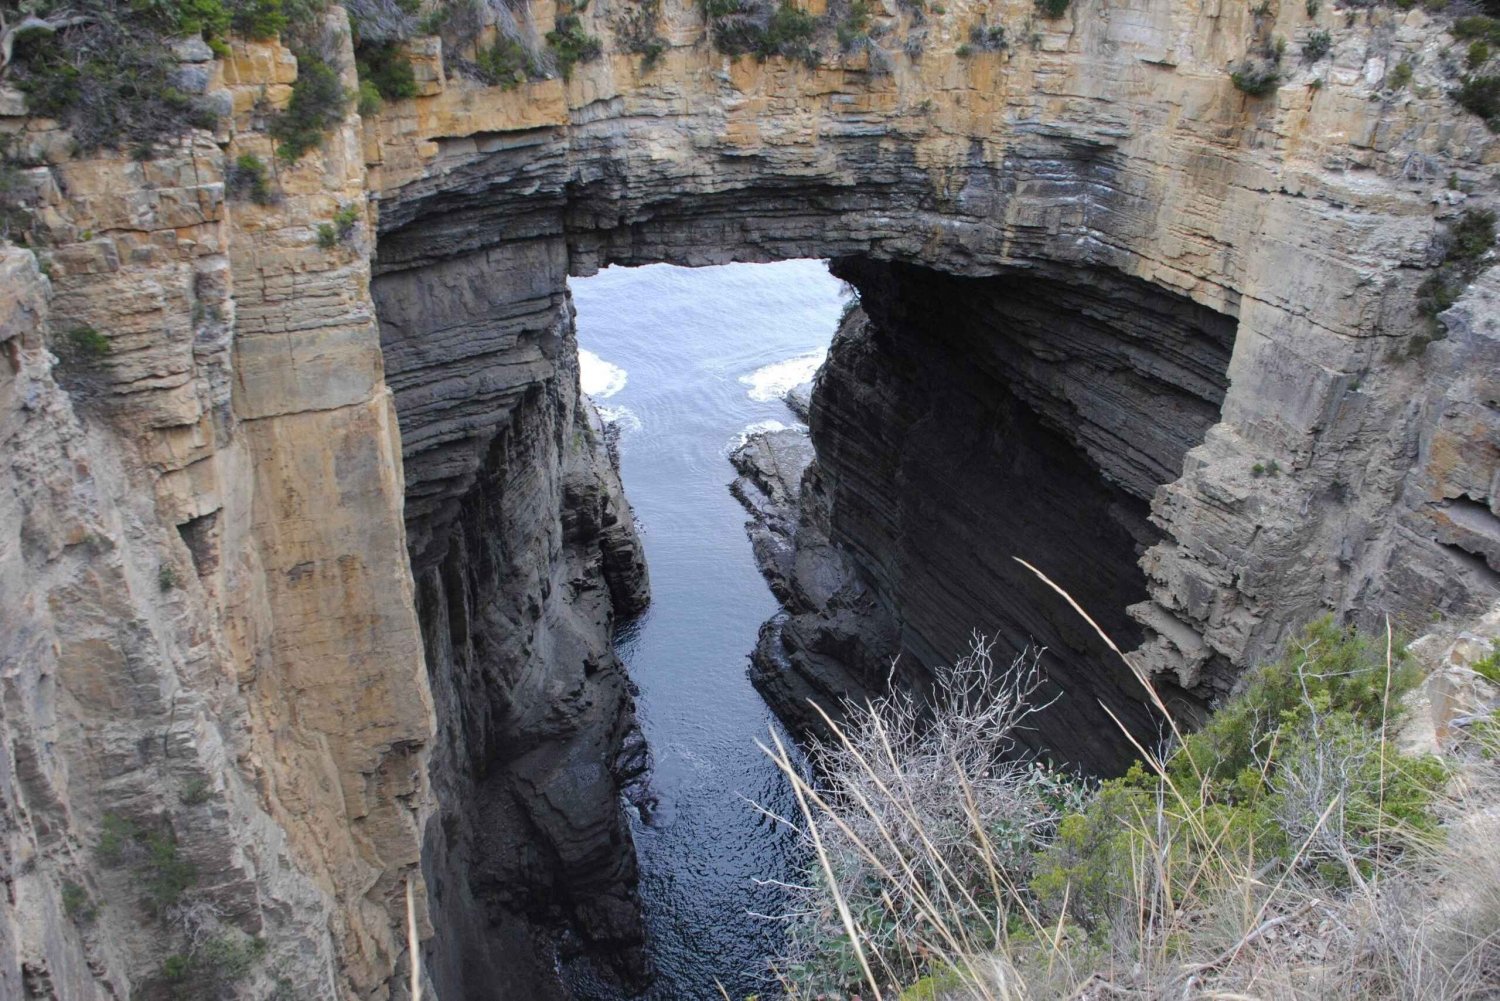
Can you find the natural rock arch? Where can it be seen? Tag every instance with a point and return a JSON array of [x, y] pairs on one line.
[[1150, 227]]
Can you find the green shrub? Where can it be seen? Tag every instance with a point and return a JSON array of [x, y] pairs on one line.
[[506, 63], [1481, 96], [345, 220], [1313, 6], [167, 577], [1466, 243], [1488, 666], [184, 17], [637, 31], [82, 346], [1052, 9], [386, 66], [117, 836], [1256, 784], [196, 792], [1326, 668], [755, 27], [1480, 27], [328, 237], [1478, 55], [163, 876], [571, 45], [367, 100], [209, 968], [1399, 77], [112, 82], [77, 904], [1318, 45], [317, 105], [984, 38], [248, 178], [257, 19], [789, 34], [1472, 236], [855, 27], [1255, 77]]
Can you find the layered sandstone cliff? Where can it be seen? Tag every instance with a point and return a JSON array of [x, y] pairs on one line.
[[311, 573]]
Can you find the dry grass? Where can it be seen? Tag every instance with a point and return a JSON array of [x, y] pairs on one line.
[[937, 859]]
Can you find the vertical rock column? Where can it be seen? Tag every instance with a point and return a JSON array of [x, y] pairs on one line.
[[337, 684]]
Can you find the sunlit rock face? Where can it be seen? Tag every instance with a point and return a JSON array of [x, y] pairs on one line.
[[1166, 330]]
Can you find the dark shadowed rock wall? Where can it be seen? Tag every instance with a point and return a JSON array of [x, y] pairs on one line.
[[971, 422], [524, 554]]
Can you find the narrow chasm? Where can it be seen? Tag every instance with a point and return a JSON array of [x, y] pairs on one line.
[[962, 425], [958, 426]]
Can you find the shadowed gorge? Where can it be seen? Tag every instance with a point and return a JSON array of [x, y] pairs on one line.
[[1034, 380]]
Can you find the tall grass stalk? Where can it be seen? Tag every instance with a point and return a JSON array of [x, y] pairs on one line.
[[948, 864]]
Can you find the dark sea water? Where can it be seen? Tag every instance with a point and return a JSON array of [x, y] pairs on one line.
[[686, 361]]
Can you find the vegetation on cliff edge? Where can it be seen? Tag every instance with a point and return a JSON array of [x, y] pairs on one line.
[[1285, 850]]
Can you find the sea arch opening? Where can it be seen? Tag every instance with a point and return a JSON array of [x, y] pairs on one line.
[[1075, 388]]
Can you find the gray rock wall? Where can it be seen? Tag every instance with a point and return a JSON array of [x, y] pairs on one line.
[[524, 554]]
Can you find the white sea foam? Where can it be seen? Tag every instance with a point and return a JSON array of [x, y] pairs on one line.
[[597, 377], [622, 417], [757, 428], [773, 381]]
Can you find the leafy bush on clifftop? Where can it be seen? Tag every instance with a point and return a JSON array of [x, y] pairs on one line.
[[104, 70], [317, 105], [1285, 850], [570, 44]]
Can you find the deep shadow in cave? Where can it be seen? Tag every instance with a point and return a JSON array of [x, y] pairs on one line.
[[969, 422]]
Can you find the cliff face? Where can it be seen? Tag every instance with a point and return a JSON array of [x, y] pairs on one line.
[[216, 717], [524, 551], [1200, 302], [313, 597], [963, 424]]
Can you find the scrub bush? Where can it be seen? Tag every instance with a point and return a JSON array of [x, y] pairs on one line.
[[1318, 45], [1464, 247], [106, 72], [317, 105], [570, 44], [383, 65], [248, 178], [948, 865]]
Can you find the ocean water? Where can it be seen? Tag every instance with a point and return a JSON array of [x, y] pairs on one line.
[[687, 362]]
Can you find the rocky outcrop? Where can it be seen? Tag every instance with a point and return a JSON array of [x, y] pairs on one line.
[[770, 466], [971, 423]]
